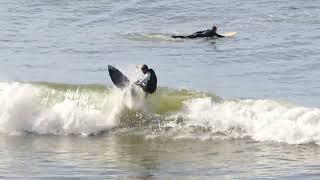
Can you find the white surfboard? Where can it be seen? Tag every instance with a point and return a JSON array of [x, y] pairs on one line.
[[229, 34]]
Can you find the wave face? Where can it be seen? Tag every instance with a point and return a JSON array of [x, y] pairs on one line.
[[62, 109]]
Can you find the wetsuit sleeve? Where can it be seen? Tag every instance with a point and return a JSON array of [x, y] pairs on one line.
[[218, 35], [143, 81]]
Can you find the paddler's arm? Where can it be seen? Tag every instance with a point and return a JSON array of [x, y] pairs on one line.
[[219, 36]]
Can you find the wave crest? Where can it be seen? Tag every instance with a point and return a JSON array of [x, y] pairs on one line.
[[60, 109]]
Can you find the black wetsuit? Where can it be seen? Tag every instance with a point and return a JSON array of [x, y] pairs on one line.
[[152, 83], [201, 34]]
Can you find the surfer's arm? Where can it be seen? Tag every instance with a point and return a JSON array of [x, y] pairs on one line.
[[143, 81], [219, 36]]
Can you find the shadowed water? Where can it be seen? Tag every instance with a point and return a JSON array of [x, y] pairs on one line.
[[133, 157]]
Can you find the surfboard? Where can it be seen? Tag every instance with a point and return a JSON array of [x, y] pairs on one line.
[[118, 78], [229, 34]]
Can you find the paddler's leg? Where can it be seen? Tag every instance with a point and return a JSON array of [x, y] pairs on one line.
[[174, 36]]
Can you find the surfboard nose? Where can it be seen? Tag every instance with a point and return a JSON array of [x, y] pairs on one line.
[[118, 78], [111, 67]]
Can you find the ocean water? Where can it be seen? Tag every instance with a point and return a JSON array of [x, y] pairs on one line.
[[242, 107]]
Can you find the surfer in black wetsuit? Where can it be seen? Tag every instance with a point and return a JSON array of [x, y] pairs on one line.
[[149, 81], [209, 33]]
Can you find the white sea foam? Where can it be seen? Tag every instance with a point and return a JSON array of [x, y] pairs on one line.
[[262, 120], [27, 108], [46, 110]]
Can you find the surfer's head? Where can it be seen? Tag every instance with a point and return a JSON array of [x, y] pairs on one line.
[[144, 68], [214, 28]]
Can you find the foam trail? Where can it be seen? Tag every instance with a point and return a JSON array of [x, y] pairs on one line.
[[153, 37]]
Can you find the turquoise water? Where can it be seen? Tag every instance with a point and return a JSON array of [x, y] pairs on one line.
[[246, 106]]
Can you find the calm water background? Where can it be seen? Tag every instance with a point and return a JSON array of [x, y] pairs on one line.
[[274, 55]]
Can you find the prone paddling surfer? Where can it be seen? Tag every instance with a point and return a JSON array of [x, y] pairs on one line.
[[209, 33], [149, 80]]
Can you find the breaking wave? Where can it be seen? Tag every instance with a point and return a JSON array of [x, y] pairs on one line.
[[63, 109]]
